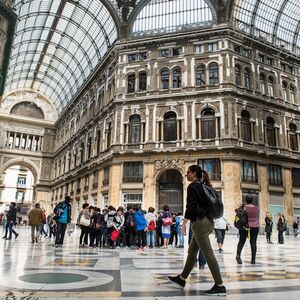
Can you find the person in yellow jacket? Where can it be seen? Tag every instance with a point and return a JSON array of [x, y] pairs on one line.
[[35, 221]]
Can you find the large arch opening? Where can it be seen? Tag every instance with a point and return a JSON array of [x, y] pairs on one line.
[[18, 183], [170, 190]]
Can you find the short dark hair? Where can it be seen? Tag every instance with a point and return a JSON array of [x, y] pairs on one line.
[[84, 205], [166, 207], [68, 199], [249, 199], [151, 209]]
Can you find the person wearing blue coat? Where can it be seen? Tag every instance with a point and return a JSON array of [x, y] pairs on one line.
[[140, 226]]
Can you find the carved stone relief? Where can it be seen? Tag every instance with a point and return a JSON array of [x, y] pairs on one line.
[[161, 165]]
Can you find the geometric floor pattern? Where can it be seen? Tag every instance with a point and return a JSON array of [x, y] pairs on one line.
[[40, 271]]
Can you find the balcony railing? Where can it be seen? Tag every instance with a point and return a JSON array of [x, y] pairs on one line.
[[133, 179], [275, 181], [248, 178]]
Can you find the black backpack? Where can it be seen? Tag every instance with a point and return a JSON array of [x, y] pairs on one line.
[[215, 206], [241, 219]]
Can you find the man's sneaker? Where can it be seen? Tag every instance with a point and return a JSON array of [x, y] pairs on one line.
[[221, 250], [216, 291], [177, 280]]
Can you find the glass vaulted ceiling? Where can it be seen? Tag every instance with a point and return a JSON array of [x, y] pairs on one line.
[[57, 46], [276, 21]]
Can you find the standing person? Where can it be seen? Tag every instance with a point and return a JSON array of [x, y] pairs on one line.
[[281, 227], [251, 232], [109, 219], [35, 221], [151, 226], [221, 225], [202, 227], [295, 228], [119, 220], [167, 221], [140, 226], [63, 217], [268, 227], [129, 227], [84, 221], [178, 226], [11, 218]]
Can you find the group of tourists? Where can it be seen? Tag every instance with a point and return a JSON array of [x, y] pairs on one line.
[[134, 228]]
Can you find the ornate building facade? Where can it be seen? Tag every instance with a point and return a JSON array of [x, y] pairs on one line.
[[198, 89]]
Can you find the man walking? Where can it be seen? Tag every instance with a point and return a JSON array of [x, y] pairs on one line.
[[63, 217], [35, 222]]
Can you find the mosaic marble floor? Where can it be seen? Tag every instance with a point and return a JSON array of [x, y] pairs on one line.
[[40, 271]]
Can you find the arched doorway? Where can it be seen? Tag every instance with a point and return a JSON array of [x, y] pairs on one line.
[[170, 190]]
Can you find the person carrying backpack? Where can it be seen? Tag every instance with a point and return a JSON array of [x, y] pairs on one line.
[[250, 231], [197, 211]]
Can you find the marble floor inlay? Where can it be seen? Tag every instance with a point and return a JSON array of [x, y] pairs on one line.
[[40, 271]]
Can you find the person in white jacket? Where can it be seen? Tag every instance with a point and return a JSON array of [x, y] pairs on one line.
[[221, 225], [151, 226]]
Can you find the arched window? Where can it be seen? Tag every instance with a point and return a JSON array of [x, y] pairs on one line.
[[284, 91], [262, 84], [213, 73], [271, 132], [271, 86], [143, 81], [134, 134], [293, 137], [165, 79], [208, 124], [246, 126], [177, 78], [131, 83], [200, 75], [82, 148], [247, 78], [170, 126], [238, 77], [292, 93]]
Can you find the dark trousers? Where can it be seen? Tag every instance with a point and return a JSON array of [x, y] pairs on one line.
[[9, 228], [268, 234], [253, 240], [84, 235], [60, 233], [280, 237], [98, 237], [141, 238]]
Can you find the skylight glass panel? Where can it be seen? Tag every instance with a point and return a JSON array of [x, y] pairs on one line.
[[160, 16], [276, 20]]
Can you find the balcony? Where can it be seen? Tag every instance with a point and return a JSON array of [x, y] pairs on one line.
[[95, 185], [86, 188], [78, 191]]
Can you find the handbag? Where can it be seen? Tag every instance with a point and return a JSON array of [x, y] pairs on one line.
[[114, 235], [84, 221]]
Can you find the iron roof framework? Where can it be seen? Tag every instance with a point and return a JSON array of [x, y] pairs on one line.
[[273, 21], [57, 45]]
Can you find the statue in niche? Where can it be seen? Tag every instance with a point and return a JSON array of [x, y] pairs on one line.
[[125, 5]]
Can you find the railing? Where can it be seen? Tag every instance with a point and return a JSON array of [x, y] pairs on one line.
[[248, 178], [132, 179]]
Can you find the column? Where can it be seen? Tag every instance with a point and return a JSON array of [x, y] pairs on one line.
[[288, 196], [114, 191], [14, 141], [33, 143], [264, 192], [7, 139], [232, 194], [149, 197], [217, 128]]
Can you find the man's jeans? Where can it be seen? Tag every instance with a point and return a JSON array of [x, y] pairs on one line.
[[60, 233]]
